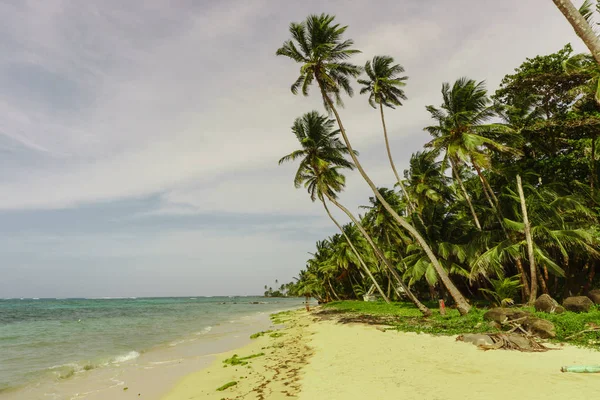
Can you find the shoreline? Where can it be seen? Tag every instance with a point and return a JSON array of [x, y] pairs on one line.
[[154, 371], [320, 355], [270, 367]]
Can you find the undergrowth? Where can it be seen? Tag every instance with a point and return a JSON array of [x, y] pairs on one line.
[[407, 318]]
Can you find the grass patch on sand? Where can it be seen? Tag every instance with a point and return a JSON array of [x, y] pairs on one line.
[[406, 318], [277, 334], [226, 386], [259, 334], [236, 360], [281, 317]]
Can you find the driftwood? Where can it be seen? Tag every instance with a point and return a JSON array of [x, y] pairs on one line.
[[511, 341]]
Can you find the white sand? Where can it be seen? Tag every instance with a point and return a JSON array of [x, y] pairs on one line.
[[358, 362], [326, 360]]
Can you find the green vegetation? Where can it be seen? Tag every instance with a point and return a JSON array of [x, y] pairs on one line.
[[227, 386], [408, 319], [404, 317], [236, 360], [277, 334], [280, 317], [259, 334], [279, 291], [569, 324], [502, 204]]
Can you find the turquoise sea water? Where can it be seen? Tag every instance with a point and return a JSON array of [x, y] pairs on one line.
[[53, 339]]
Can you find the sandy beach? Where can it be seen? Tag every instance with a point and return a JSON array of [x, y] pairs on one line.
[[313, 359]]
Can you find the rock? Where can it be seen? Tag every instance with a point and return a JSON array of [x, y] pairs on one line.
[[519, 340], [547, 304], [503, 315], [540, 327], [476, 339], [594, 295], [578, 304], [494, 325]]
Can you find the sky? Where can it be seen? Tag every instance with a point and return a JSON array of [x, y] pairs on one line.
[[139, 140]]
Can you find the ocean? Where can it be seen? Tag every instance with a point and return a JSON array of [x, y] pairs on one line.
[[47, 342]]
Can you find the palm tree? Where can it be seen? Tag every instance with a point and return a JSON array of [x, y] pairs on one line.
[[383, 228], [384, 87], [321, 147], [426, 181], [461, 131], [332, 175], [580, 20], [317, 44], [324, 182], [321, 263]]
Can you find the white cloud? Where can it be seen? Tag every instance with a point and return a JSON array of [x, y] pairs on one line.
[[186, 101], [199, 97]]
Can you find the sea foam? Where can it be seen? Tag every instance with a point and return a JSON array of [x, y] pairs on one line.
[[132, 355]]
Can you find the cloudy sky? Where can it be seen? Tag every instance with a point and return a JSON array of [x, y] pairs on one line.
[[139, 139]]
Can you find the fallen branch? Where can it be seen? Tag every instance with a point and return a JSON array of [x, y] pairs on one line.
[[582, 332]]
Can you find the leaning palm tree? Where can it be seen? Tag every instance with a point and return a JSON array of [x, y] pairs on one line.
[[384, 87], [326, 182], [321, 147], [317, 44], [580, 20]]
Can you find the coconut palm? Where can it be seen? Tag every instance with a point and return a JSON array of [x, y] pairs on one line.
[[388, 235], [318, 45], [384, 86], [323, 182], [461, 132], [426, 181], [321, 148], [332, 175]]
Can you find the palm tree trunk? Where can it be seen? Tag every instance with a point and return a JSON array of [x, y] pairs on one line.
[[533, 270], [495, 206], [411, 207], [485, 183], [465, 193], [461, 303], [593, 166], [362, 263], [581, 26], [524, 282], [333, 290], [590, 277], [542, 282], [424, 310]]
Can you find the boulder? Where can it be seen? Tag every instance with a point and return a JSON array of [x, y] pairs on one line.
[[594, 295], [540, 327], [503, 315], [547, 304], [578, 304]]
